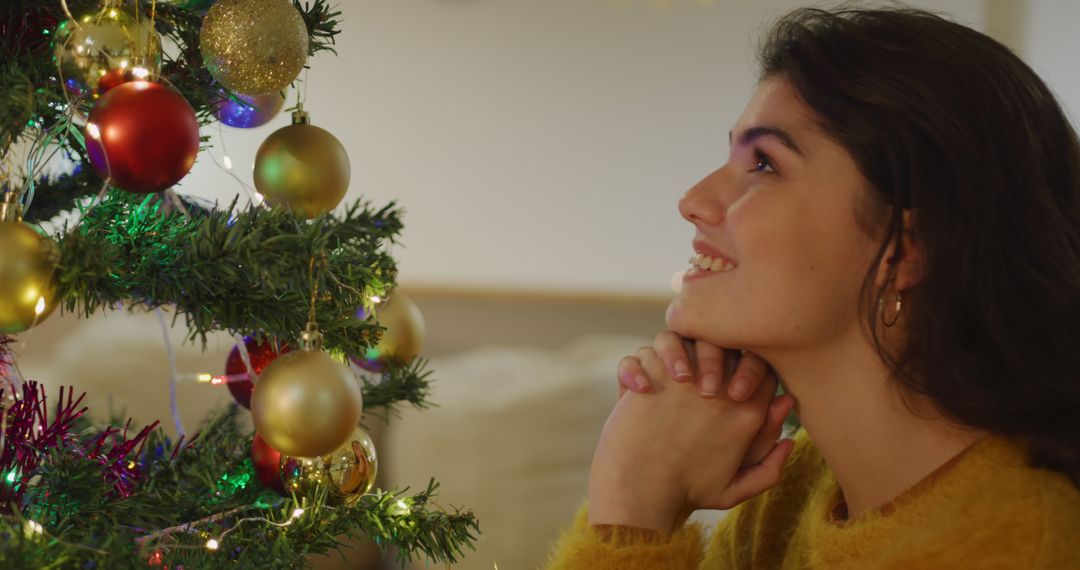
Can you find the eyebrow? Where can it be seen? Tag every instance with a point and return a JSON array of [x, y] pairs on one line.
[[749, 135]]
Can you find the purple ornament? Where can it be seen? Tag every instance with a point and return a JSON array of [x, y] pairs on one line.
[[254, 111]]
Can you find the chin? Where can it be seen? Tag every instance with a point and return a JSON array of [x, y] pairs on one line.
[[684, 321], [679, 319]]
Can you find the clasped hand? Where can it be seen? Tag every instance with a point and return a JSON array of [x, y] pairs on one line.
[[683, 437]]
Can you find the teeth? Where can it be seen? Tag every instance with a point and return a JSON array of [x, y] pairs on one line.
[[706, 263]]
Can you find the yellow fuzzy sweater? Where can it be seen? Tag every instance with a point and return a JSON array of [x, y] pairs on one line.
[[984, 509]]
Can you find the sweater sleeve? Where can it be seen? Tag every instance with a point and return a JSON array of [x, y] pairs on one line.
[[585, 547]]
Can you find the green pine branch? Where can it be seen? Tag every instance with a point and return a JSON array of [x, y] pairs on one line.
[[243, 271], [399, 384]]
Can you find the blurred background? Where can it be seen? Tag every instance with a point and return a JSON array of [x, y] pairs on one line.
[[539, 149]]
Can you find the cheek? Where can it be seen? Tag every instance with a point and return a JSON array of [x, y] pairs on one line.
[[798, 243], [766, 229]]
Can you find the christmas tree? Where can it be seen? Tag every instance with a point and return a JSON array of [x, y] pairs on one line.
[[118, 89]]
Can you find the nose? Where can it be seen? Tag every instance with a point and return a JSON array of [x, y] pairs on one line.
[[704, 204]]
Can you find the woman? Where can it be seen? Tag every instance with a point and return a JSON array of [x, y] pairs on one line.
[[897, 234]]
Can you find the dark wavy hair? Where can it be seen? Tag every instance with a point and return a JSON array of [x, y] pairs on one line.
[[948, 122]]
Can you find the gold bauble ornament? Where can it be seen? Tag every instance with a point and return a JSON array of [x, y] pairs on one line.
[[353, 466], [254, 46], [306, 403], [403, 338], [99, 46], [27, 264], [348, 472], [302, 167], [302, 474]]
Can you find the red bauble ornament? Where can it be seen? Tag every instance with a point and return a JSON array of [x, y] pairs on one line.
[[143, 136], [267, 462], [261, 355]]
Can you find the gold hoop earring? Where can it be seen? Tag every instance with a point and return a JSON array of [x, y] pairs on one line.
[[898, 302]]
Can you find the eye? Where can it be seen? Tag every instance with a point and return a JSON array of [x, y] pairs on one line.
[[761, 162]]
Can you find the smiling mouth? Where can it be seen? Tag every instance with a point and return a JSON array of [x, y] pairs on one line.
[[713, 264]]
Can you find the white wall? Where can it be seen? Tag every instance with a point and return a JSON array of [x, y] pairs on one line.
[[534, 144], [1049, 44]]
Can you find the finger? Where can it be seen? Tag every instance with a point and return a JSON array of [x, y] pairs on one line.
[[632, 376], [710, 368], [770, 431], [752, 481], [748, 377], [652, 367], [675, 353]]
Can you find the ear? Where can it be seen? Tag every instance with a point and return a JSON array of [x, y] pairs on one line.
[[906, 270]]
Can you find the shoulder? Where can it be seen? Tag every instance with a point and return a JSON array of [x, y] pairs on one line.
[[996, 512]]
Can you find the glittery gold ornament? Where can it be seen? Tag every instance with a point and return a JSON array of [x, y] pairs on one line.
[[306, 404], [106, 45], [27, 263], [254, 46], [403, 338], [303, 167]]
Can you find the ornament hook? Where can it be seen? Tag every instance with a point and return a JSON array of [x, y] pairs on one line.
[[311, 338], [300, 116]]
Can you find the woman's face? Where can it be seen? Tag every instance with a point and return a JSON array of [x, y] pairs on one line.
[[777, 228]]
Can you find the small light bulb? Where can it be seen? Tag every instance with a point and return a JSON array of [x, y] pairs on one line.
[[228, 163], [140, 72], [217, 380], [297, 513], [211, 544], [124, 64], [40, 307], [259, 199], [204, 378], [93, 131], [376, 299]]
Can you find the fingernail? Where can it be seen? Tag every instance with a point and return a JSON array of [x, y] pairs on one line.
[[710, 383], [642, 383], [682, 369], [740, 388]]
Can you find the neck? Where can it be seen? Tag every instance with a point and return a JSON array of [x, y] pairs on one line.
[[874, 445]]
